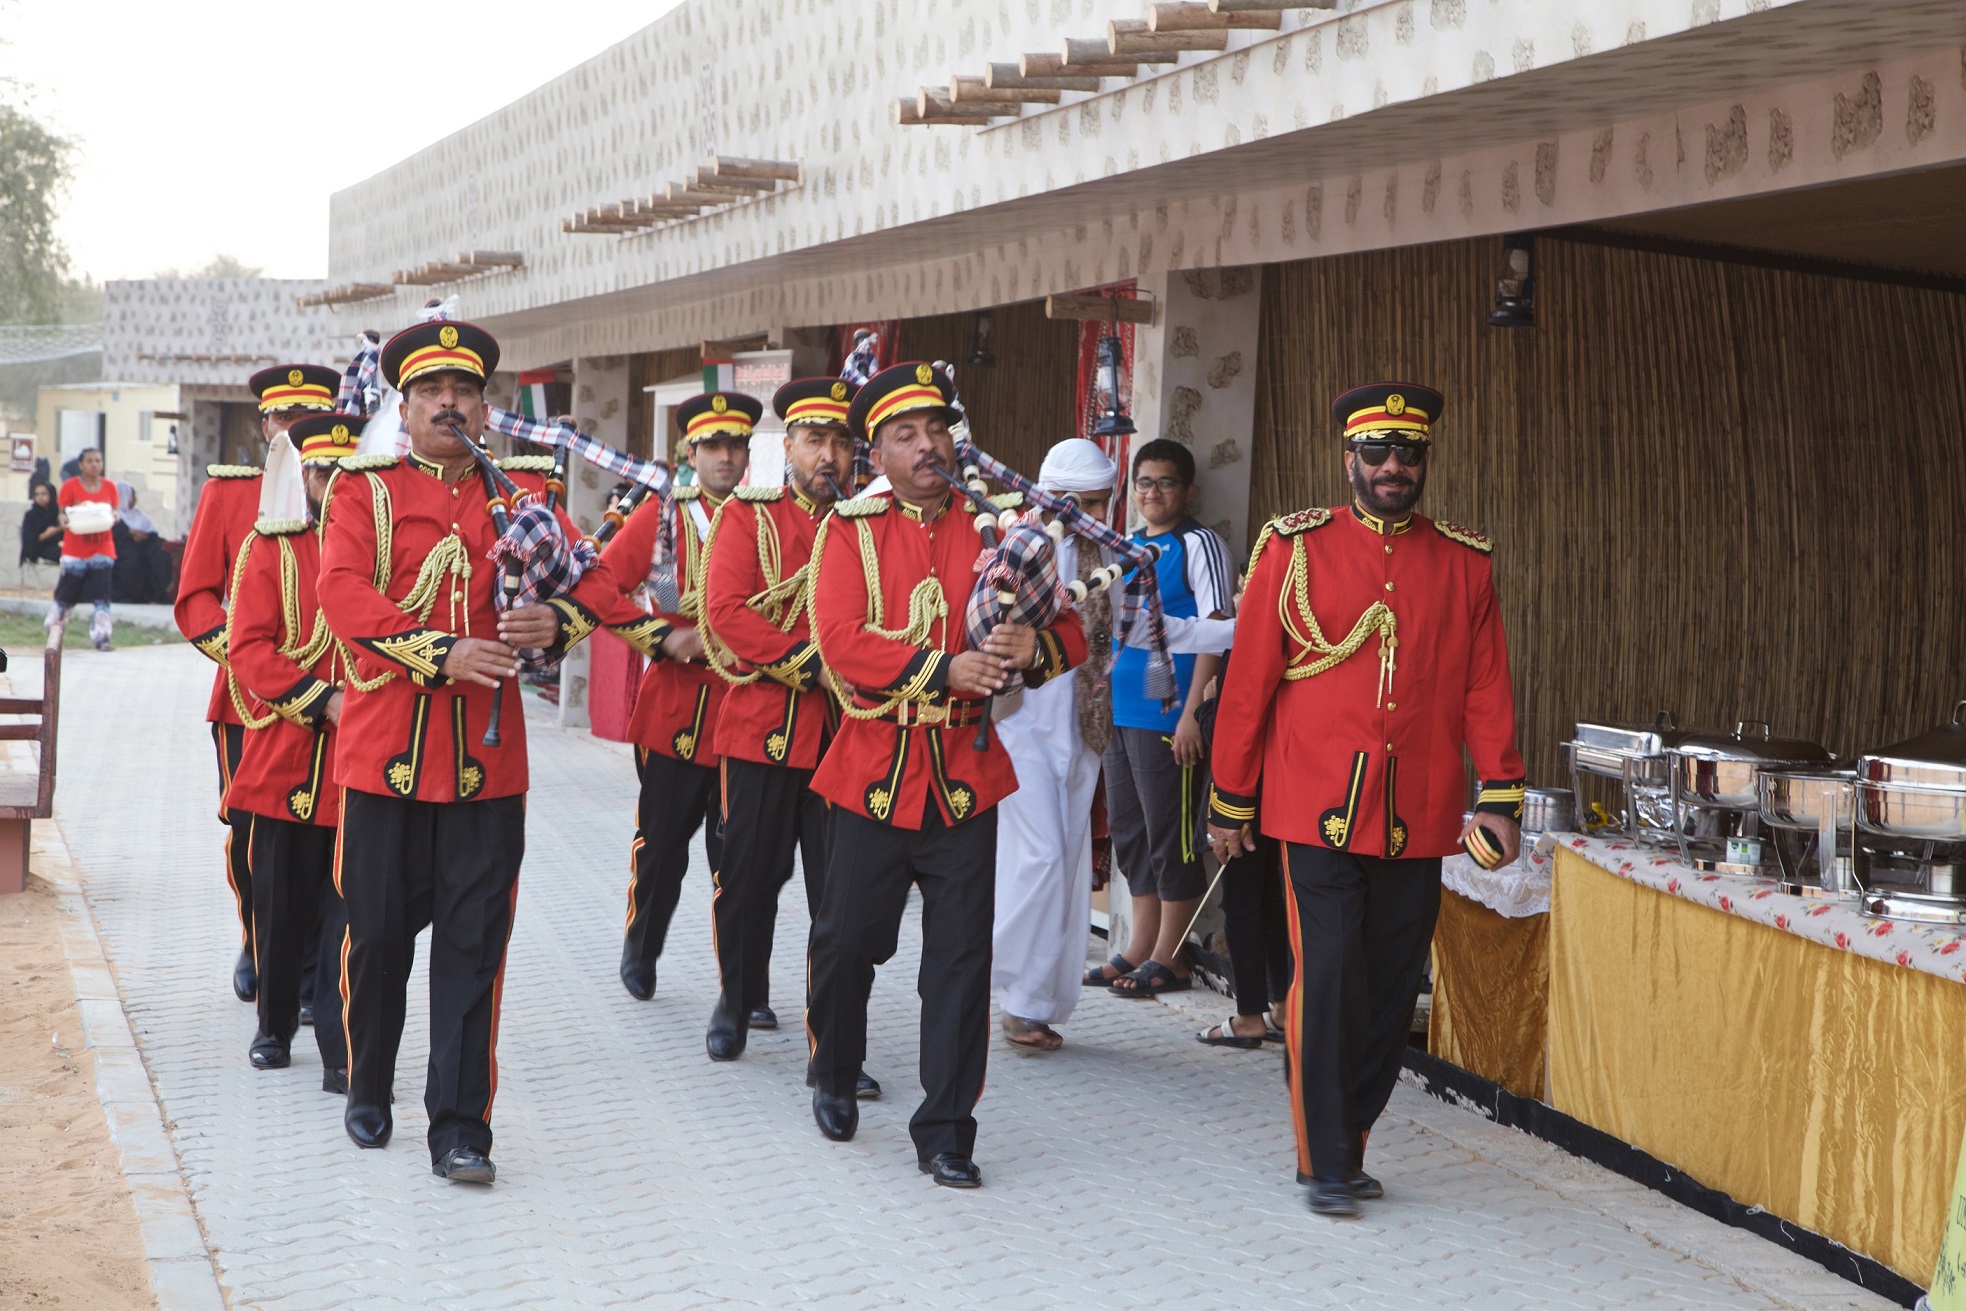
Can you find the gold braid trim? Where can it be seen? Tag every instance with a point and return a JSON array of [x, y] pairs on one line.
[[926, 606], [231, 679], [1296, 595], [449, 557]]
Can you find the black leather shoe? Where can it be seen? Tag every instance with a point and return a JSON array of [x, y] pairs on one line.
[[865, 1089], [837, 1117], [725, 1038], [764, 1018], [1365, 1187], [1335, 1198], [335, 1080], [245, 978], [638, 979], [307, 1014], [952, 1171], [369, 1126], [269, 1053], [465, 1165]]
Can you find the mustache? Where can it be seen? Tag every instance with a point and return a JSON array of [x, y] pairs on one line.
[[447, 416]]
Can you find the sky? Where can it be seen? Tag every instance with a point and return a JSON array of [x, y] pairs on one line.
[[221, 127]]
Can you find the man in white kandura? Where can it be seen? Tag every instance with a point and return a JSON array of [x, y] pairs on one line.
[[1044, 839]]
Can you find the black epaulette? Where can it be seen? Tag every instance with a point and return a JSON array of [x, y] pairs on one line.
[[760, 493], [369, 463], [860, 507], [1467, 537], [280, 527], [232, 471], [526, 464]]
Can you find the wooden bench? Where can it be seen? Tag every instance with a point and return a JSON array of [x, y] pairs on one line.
[[26, 797]]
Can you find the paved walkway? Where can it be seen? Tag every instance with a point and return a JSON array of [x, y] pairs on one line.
[[1133, 1169]]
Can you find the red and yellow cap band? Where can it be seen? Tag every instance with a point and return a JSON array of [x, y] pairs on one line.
[[817, 409], [430, 359], [916, 396], [329, 446], [296, 396], [1396, 415], [711, 424]]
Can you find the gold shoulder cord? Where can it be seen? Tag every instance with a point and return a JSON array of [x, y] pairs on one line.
[[926, 606], [1296, 595], [781, 603], [449, 558], [231, 679]]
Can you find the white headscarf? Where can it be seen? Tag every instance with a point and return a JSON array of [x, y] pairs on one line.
[[1077, 465], [283, 487]]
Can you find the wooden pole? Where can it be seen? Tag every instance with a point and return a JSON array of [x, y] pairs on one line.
[[777, 170], [1008, 76], [1129, 36], [973, 91], [909, 112], [1051, 65], [1187, 17], [1101, 308], [707, 179]]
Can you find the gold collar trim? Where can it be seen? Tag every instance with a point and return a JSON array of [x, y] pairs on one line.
[[922, 514], [1378, 525], [431, 467]]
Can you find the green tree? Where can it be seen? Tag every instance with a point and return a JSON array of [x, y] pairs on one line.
[[34, 166], [218, 266]]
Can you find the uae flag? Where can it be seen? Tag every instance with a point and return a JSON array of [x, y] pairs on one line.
[[532, 393]]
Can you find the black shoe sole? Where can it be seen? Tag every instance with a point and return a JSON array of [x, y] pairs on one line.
[[485, 1174], [280, 1062], [945, 1182]]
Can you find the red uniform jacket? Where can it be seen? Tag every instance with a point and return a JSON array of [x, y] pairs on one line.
[[393, 587], [1364, 661], [754, 608], [288, 673], [677, 705], [887, 611], [226, 509]]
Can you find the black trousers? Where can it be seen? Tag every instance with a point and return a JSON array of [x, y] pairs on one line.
[[868, 869], [230, 742], [453, 866], [677, 797], [768, 810], [1361, 929], [1255, 927], [298, 926]]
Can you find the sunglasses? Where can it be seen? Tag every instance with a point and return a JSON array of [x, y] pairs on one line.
[[1411, 454]]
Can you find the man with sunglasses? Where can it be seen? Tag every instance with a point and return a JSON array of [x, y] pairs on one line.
[[1369, 653]]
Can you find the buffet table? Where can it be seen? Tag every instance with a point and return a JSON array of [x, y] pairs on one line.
[[1789, 1052], [1491, 969]]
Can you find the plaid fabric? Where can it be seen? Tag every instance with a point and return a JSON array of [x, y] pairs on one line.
[[1141, 598], [1018, 584], [549, 567], [360, 392], [862, 363]]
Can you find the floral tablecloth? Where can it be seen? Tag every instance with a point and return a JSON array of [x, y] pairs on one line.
[[1517, 890], [1932, 948]]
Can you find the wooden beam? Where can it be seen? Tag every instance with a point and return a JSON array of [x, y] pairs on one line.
[[1008, 77], [510, 259], [932, 105], [1267, 6], [973, 91], [1053, 65], [707, 179], [720, 352], [1190, 16], [1098, 307], [1129, 36], [681, 193], [907, 112], [1077, 53], [776, 170]]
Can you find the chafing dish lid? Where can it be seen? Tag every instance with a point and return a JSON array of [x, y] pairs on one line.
[[1933, 759], [1753, 743], [1631, 739]]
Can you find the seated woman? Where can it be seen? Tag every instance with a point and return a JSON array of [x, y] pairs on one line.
[[40, 528]]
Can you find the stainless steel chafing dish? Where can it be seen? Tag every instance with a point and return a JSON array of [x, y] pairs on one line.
[[1714, 781], [1807, 813], [1909, 833], [1634, 758]]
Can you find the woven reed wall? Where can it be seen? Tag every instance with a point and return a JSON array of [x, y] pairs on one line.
[[1735, 492], [648, 370], [1024, 404]]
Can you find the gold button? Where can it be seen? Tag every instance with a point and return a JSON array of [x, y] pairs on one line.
[[453, 527], [1389, 746], [1392, 705], [1389, 585], [1389, 548]]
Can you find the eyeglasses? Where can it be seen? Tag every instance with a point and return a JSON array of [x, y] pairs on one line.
[[1411, 454], [1163, 485]]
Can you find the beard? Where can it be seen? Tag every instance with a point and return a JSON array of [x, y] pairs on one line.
[[1389, 491]]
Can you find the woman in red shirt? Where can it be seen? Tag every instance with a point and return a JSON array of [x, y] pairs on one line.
[[88, 547]]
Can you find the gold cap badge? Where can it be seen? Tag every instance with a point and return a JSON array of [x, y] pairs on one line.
[[719, 405], [839, 391], [340, 432], [1395, 404], [294, 377], [924, 375], [447, 336]]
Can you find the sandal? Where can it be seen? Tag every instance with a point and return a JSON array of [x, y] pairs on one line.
[[1225, 1035], [1033, 1036], [1273, 1028], [1150, 980], [1098, 978]]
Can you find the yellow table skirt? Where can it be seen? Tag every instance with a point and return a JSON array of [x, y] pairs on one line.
[[1825, 1087], [1491, 993]]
